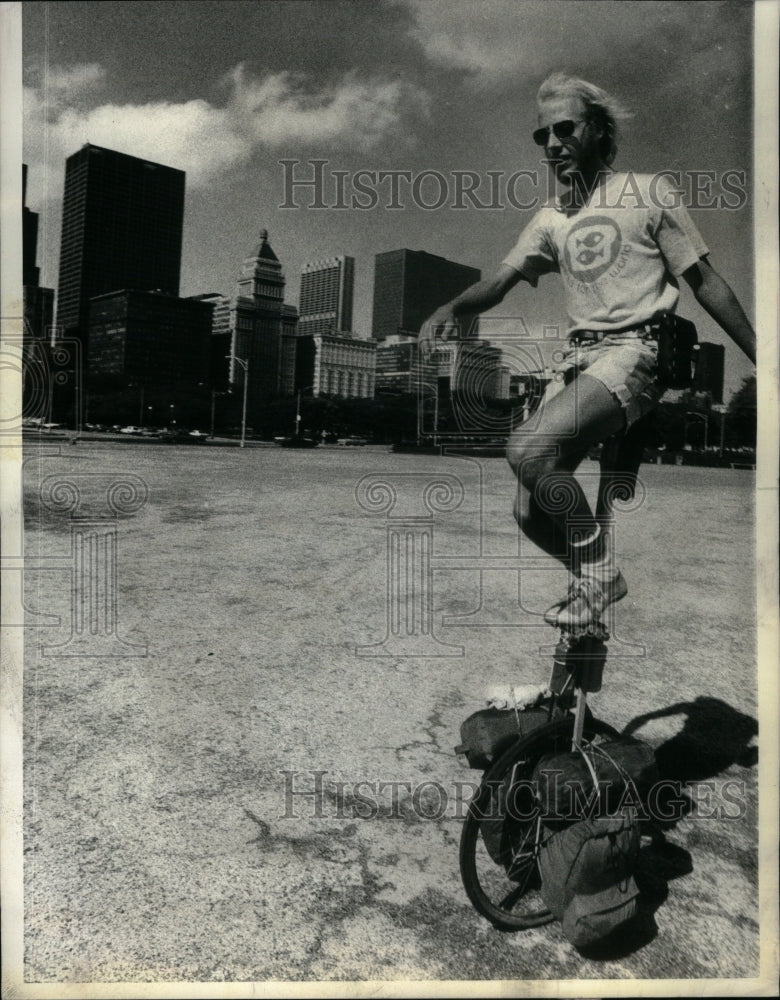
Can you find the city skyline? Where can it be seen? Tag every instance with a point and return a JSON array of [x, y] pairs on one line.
[[450, 95]]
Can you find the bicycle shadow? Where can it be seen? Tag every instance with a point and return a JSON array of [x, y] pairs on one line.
[[714, 737]]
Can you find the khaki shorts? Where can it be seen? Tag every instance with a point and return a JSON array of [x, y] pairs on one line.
[[626, 363]]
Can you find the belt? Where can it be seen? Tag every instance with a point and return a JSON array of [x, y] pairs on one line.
[[649, 329]]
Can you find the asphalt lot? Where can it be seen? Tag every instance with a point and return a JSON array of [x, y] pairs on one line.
[[175, 828]]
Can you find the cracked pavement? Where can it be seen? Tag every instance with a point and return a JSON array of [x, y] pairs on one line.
[[175, 827]]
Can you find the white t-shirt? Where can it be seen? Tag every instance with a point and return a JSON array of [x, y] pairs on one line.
[[619, 255]]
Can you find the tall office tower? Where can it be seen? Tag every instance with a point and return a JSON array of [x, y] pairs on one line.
[[122, 220], [30, 273], [38, 302], [409, 285], [327, 288], [710, 364]]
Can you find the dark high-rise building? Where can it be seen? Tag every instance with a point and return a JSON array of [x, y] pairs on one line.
[[220, 338], [710, 364], [327, 288], [122, 220], [30, 273], [149, 338], [409, 285], [38, 302]]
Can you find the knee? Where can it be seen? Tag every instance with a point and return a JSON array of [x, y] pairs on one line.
[[528, 465]]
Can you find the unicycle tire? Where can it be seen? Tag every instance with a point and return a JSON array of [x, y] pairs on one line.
[[500, 839]]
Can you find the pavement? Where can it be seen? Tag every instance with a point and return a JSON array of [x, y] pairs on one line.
[[250, 800]]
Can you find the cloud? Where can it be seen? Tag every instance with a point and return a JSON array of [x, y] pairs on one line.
[[205, 140], [279, 109], [506, 43]]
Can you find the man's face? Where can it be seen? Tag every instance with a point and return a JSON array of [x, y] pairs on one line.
[[575, 154]]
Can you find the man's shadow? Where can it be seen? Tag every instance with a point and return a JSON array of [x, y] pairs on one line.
[[713, 738]]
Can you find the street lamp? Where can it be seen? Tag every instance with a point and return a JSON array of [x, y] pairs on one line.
[[722, 410], [245, 365]]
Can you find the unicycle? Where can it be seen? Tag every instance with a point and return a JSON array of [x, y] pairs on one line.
[[503, 830]]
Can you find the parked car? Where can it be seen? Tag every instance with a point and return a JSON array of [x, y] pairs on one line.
[[130, 429], [178, 435], [351, 441], [299, 441]]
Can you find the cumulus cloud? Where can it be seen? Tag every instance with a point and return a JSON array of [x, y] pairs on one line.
[[500, 41], [205, 140]]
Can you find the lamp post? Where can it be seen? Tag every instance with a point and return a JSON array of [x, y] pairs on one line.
[[245, 365], [298, 409], [722, 410]]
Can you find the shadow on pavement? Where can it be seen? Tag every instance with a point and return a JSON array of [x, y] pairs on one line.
[[714, 736]]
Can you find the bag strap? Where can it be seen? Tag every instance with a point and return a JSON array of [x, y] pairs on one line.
[[617, 765]]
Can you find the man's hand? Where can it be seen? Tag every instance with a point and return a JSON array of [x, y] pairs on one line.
[[442, 325], [451, 320]]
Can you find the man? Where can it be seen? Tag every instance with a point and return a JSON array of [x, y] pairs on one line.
[[619, 242]]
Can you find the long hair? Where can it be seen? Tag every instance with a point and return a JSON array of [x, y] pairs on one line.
[[601, 108]]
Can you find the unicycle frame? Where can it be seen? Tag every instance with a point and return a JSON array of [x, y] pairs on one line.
[[577, 667]]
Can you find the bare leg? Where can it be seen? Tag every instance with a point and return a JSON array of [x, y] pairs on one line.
[[551, 508], [549, 496]]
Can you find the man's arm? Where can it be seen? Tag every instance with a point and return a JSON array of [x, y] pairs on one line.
[[714, 295], [448, 319]]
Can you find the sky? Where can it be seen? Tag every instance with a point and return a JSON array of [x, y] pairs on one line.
[[227, 91]]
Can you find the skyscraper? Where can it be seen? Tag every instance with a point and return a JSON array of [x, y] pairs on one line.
[[409, 285], [122, 220], [327, 288], [38, 302]]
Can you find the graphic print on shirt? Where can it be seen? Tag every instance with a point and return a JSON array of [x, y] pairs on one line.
[[591, 247]]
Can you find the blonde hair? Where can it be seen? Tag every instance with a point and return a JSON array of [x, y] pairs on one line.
[[601, 108]]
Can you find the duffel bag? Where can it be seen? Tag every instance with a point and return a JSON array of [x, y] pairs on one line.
[[595, 780], [486, 734], [588, 879]]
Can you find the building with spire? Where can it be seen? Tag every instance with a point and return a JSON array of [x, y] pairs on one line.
[[259, 321]]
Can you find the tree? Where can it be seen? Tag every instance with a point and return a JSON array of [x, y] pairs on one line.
[[742, 414]]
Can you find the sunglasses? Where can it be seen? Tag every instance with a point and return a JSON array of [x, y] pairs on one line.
[[561, 130]]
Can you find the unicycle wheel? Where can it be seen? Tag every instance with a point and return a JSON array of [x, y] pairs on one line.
[[502, 832]]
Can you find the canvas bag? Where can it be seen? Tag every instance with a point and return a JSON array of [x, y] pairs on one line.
[[587, 876], [486, 734], [594, 780]]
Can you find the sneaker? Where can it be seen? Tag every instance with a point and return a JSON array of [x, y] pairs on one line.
[[551, 615], [586, 602]]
